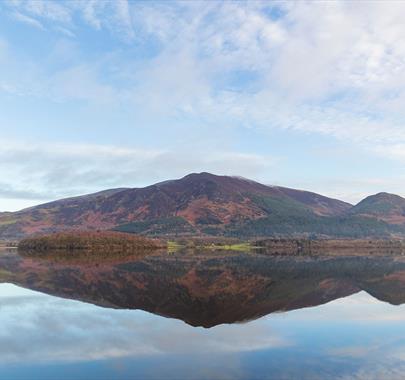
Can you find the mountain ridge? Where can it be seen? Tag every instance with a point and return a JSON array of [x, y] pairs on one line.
[[208, 204]]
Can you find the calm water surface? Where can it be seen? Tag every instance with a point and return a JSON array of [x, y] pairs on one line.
[[233, 316]]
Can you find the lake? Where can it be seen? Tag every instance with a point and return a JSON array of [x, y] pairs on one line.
[[218, 315]]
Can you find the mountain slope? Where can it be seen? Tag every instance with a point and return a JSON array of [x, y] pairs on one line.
[[200, 203], [320, 204]]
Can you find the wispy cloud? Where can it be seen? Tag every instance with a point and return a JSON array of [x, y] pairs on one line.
[[27, 20], [341, 87], [114, 15]]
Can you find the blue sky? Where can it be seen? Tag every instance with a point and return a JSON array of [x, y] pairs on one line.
[[105, 94]]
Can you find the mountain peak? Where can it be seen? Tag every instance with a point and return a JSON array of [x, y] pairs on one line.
[[385, 195], [202, 175], [382, 197]]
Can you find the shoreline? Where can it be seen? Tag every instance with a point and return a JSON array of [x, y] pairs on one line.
[[105, 242]]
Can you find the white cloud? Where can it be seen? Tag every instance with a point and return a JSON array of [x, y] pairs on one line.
[[114, 15]]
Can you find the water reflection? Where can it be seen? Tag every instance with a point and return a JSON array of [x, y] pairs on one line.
[[347, 333], [211, 289]]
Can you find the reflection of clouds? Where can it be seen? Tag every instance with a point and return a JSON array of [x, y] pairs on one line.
[[387, 371], [38, 327], [330, 341], [381, 353], [398, 352], [360, 307], [353, 351], [357, 337], [389, 348], [223, 338], [7, 302]]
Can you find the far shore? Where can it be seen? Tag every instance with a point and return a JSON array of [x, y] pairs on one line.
[[107, 242], [332, 247]]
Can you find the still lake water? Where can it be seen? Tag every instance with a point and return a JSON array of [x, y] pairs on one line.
[[202, 316]]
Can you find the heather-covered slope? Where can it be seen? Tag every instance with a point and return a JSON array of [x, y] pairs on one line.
[[208, 204]]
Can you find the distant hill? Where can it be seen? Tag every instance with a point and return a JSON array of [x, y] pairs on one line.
[[383, 206], [207, 204]]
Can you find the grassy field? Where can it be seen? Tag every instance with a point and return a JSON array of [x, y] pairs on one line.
[[216, 244]]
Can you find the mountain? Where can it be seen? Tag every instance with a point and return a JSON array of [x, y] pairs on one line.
[[202, 204], [197, 203], [384, 206]]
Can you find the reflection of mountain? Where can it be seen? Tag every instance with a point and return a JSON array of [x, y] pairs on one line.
[[210, 290]]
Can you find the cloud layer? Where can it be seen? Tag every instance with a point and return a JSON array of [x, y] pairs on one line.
[[191, 71]]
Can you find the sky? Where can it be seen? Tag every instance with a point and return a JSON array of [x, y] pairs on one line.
[[105, 94]]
